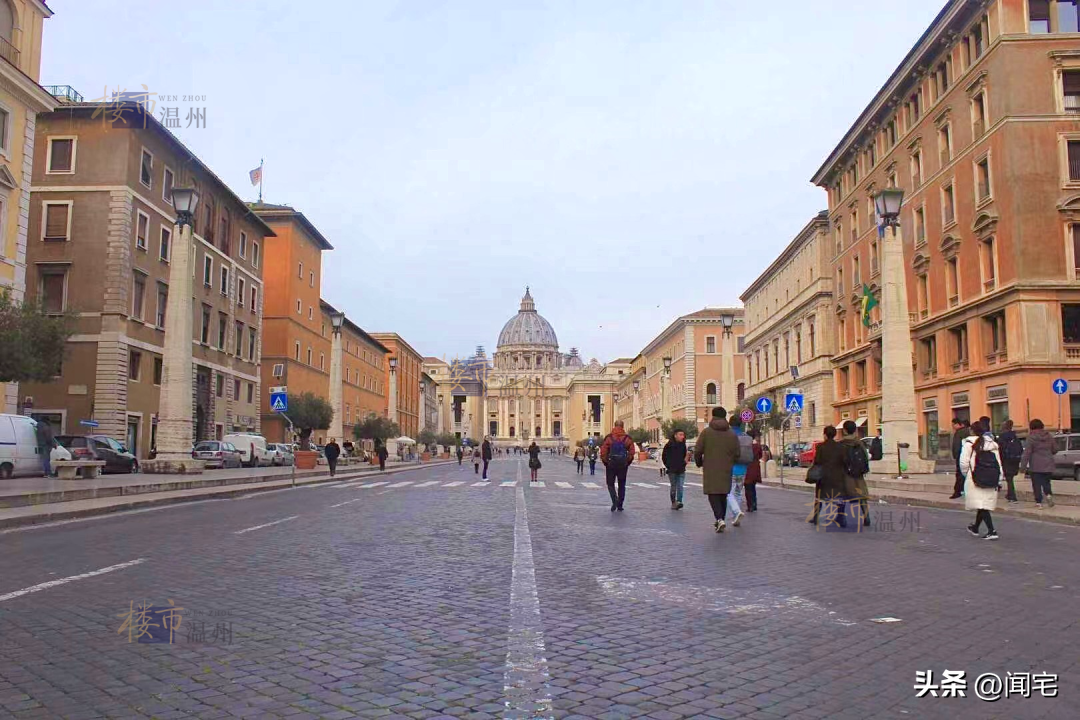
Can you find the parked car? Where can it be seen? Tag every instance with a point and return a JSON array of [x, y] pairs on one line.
[[1067, 456], [18, 446], [792, 452], [253, 448], [116, 457], [217, 454], [806, 457], [283, 454]]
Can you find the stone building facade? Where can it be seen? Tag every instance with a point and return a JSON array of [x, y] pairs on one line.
[[980, 126], [790, 311], [100, 241], [404, 386]]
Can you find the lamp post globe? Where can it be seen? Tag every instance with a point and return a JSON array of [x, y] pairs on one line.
[[727, 320], [887, 204], [337, 320], [185, 200]]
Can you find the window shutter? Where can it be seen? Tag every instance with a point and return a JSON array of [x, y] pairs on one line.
[[56, 222]]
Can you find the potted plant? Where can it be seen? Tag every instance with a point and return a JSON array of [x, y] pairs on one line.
[[640, 436], [426, 440], [378, 429], [307, 412], [446, 440]]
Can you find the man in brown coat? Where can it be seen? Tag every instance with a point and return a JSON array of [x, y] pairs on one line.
[[716, 452]]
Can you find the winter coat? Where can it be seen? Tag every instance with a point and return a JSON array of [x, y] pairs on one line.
[[381, 453], [854, 487], [579, 454], [332, 450], [1038, 453], [617, 435], [476, 455], [593, 453], [1003, 440], [975, 497], [716, 451], [485, 450], [753, 470], [674, 456], [830, 456], [958, 441]]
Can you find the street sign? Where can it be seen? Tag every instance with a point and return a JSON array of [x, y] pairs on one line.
[[794, 372], [279, 402], [747, 415], [793, 403], [281, 390], [764, 405], [88, 423], [1061, 386], [798, 422]]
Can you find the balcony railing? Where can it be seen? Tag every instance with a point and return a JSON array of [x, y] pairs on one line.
[[9, 52], [954, 300], [845, 394], [874, 331], [1072, 352], [920, 237], [997, 357], [860, 390], [1074, 169], [959, 366], [64, 92], [990, 284], [929, 373]]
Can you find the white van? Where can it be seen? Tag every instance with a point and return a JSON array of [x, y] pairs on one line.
[[246, 443], [18, 446]]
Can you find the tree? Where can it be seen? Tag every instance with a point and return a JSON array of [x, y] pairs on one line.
[[308, 412], [377, 428], [447, 439], [640, 436], [33, 342], [426, 438], [669, 427]]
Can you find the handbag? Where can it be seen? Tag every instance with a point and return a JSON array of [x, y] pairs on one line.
[[815, 474]]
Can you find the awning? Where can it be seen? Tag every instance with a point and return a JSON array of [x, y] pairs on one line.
[[859, 422], [405, 440]]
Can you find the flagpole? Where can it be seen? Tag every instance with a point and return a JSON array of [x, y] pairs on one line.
[[260, 179]]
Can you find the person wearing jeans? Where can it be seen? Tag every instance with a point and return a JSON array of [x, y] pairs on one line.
[[673, 459], [1038, 461], [738, 478]]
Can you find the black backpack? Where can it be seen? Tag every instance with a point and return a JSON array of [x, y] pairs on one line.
[[1013, 449], [617, 453], [856, 462], [987, 471]]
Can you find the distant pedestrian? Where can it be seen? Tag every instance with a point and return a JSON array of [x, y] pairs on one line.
[[738, 470], [1012, 451], [46, 442], [332, 451], [716, 452], [486, 454], [753, 472], [617, 453], [534, 461], [579, 458], [476, 457], [382, 455], [460, 454], [829, 464], [980, 461], [961, 429], [1038, 461], [673, 459], [594, 453], [856, 468]]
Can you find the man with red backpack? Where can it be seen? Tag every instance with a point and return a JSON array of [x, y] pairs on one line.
[[617, 453]]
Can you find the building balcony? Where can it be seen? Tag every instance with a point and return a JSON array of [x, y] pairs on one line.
[[998, 357], [929, 373], [1072, 351], [9, 52], [990, 284], [960, 366], [64, 92], [954, 300], [844, 394], [874, 331]]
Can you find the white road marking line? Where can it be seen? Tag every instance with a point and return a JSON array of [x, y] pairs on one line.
[[402, 484], [646, 485], [376, 484], [538, 483], [327, 486], [64, 581], [508, 483], [481, 483], [694, 484], [428, 483], [455, 483], [590, 485], [347, 502], [525, 681], [563, 485], [260, 527]]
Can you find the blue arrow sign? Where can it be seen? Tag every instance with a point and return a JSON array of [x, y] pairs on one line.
[[764, 405], [279, 402], [793, 403], [1061, 386], [89, 423]]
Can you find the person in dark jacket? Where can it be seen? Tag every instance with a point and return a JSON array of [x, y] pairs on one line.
[[382, 455], [855, 485], [829, 455], [1012, 449], [485, 454], [332, 451], [460, 454], [674, 461], [534, 462], [45, 442], [1038, 461], [716, 452], [593, 454], [616, 464], [961, 430], [753, 473]]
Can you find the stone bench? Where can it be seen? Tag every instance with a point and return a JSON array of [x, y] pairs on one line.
[[68, 469]]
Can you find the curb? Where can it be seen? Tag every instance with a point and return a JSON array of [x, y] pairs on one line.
[[223, 494]]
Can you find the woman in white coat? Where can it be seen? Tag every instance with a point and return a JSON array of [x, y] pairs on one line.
[[982, 498]]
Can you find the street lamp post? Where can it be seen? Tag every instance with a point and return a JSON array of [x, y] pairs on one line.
[[174, 434], [899, 429], [337, 320], [637, 385], [665, 379], [727, 360], [392, 409]]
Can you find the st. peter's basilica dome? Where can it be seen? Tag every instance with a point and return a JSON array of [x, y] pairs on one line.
[[528, 328]]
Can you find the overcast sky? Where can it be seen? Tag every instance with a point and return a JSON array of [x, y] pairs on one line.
[[630, 161]]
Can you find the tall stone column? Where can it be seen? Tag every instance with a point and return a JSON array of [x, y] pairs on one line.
[[442, 423], [335, 387], [174, 434], [391, 399], [727, 371]]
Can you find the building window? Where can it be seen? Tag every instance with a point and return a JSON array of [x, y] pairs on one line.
[[860, 376], [948, 205], [844, 382], [922, 297], [841, 327], [138, 294], [205, 334], [978, 115], [988, 262], [710, 344], [297, 352], [1067, 20], [57, 225], [839, 238], [208, 271], [952, 281], [813, 341], [710, 394], [255, 254], [958, 341], [146, 169], [142, 228], [916, 169], [236, 389], [299, 307], [928, 356], [219, 390], [982, 180], [942, 77], [309, 356], [241, 291], [1070, 81], [225, 281], [310, 313], [1038, 16], [840, 281], [1073, 152], [300, 270], [856, 274], [311, 279], [945, 144], [251, 393], [61, 154], [158, 367], [854, 226], [740, 392], [167, 186], [223, 320], [162, 302], [322, 361], [243, 244], [52, 287], [996, 343], [165, 244], [251, 344], [223, 240], [134, 361], [873, 256], [238, 348], [254, 299]]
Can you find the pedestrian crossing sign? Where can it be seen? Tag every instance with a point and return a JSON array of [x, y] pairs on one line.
[[793, 403], [279, 402]]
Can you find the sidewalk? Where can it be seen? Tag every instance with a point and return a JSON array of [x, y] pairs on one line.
[[29, 501], [934, 491]]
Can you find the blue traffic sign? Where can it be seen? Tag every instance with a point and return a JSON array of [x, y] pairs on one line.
[[764, 405], [89, 423], [279, 402], [1061, 386], [793, 403]]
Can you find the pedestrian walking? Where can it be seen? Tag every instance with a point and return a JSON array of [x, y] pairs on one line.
[[617, 453], [476, 456], [382, 454], [332, 451], [753, 471], [460, 454], [579, 458], [594, 453], [673, 459], [716, 452], [46, 442], [961, 429], [980, 461], [534, 461], [738, 471], [486, 454], [856, 468], [1012, 451], [1038, 461], [827, 473]]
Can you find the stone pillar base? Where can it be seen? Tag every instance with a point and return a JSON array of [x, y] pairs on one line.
[[915, 466], [182, 465]]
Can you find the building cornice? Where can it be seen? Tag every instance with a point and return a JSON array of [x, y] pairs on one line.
[[820, 222], [26, 90], [758, 334]]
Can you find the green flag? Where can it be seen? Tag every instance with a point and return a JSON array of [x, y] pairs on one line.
[[869, 302]]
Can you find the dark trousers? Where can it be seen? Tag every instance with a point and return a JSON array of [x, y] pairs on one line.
[[459, 459], [382, 463], [592, 467], [476, 467], [332, 462], [1040, 485], [719, 506], [983, 516], [616, 474], [958, 485], [751, 496], [1011, 467], [580, 467], [485, 469]]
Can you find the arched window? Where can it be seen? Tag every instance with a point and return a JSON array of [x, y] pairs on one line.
[[741, 390], [7, 20], [710, 394]]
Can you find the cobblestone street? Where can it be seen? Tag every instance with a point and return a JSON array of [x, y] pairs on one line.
[[427, 594]]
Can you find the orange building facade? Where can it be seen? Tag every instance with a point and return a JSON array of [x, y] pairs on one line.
[[980, 126], [410, 366]]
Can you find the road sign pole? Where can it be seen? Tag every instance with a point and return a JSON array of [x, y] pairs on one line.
[[292, 468]]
